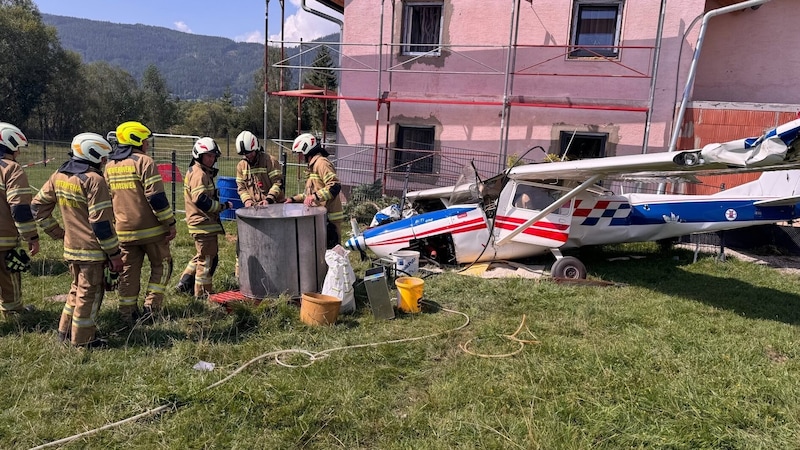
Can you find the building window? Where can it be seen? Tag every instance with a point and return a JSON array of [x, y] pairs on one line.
[[422, 28], [595, 25], [414, 149], [582, 145]]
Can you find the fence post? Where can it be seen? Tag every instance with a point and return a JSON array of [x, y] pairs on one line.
[[44, 153], [174, 178]]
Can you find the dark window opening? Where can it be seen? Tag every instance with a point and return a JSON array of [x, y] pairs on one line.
[[582, 145], [414, 147]]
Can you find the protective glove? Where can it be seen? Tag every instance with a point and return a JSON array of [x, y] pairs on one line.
[[17, 260], [110, 278]]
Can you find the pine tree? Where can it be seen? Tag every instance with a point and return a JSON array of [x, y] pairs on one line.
[[321, 113]]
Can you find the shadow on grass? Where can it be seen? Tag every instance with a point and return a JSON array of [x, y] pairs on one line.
[[38, 321], [194, 322], [663, 272], [47, 267]]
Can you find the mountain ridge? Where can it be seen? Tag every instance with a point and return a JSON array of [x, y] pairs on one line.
[[195, 67]]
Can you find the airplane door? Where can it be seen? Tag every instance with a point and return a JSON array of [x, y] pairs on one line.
[[520, 202]]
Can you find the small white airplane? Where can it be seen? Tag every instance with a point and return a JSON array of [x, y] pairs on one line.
[[533, 209]]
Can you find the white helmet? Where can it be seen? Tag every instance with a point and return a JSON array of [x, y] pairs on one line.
[[205, 145], [246, 142], [90, 147], [305, 143], [11, 137]]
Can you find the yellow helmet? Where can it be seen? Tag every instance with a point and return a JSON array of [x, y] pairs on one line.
[[132, 133]]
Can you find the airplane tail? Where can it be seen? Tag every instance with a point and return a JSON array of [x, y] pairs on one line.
[[782, 186]]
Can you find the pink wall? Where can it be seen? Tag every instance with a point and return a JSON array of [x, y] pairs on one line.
[[581, 95]]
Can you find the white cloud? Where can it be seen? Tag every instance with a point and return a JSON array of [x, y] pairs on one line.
[[252, 37], [306, 26], [181, 26]]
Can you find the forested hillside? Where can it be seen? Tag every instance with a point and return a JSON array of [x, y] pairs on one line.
[[194, 66]]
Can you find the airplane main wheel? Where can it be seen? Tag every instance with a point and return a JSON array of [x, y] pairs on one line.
[[568, 267]]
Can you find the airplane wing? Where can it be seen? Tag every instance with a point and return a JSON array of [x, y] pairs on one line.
[[775, 150]]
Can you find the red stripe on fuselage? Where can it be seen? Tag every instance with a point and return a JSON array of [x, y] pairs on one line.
[[540, 224], [456, 228], [547, 234]]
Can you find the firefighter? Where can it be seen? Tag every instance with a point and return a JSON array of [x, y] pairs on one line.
[[16, 220], [258, 175], [202, 217], [90, 242], [322, 185], [143, 220]]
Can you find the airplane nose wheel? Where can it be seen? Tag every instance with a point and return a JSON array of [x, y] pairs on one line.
[[568, 267]]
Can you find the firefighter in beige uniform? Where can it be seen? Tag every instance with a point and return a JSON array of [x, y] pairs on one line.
[[202, 217], [258, 175], [16, 219], [81, 194], [144, 221], [322, 186]]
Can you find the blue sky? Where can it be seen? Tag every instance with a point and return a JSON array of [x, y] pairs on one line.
[[240, 20]]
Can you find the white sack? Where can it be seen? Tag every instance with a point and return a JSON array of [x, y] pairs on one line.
[[340, 279]]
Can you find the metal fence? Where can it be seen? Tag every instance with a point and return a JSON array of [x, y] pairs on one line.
[[393, 169]]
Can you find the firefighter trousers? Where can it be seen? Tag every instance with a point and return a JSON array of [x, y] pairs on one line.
[[83, 302], [158, 253], [204, 264]]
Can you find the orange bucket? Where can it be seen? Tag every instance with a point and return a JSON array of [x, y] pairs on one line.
[[319, 309], [410, 291]]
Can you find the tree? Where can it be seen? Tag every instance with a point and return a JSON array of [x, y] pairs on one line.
[[251, 116], [61, 110], [159, 111], [320, 114], [27, 49], [112, 97], [205, 118]]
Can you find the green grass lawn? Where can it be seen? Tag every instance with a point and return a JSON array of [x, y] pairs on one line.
[[676, 355]]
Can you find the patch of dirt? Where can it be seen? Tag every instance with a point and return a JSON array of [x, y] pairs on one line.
[[782, 263], [775, 356]]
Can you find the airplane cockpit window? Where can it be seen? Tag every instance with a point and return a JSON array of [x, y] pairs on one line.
[[535, 198]]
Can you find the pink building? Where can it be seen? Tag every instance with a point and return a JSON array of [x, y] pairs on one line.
[[425, 82]]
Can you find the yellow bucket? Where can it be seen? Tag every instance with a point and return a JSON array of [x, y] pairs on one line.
[[319, 309], [410, 291]]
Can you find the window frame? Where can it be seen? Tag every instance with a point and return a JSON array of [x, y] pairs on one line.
[[408, 47], [565, 137], [425, 162], [576, 50]]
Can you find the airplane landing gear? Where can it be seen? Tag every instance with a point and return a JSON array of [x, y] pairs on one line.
[[568, 267]]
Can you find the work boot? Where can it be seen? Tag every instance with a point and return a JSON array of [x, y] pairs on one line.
[[96, 343], [63, 338], [130, 315], [147, 314], [185, 285]]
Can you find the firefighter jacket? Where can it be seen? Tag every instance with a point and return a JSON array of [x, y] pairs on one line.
[[323, 184], [202, 200], [261, 180], [16, 218], [141, 209], [81, 194]]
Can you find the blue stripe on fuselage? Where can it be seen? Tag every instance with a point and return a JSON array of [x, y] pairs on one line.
[[711, 211], [414, 221]]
